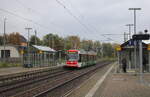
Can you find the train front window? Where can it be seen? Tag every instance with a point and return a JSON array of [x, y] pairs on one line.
[[72, 57]]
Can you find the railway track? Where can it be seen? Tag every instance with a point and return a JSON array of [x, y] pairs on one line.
[[50, 88], [72, 78], [10, 78], [19, 83], [45, 85]]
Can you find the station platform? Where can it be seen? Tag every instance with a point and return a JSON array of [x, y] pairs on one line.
[[107, 83], [15, 70]]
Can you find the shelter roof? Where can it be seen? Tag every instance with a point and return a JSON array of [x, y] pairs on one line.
[[44, 48], [131, 43]]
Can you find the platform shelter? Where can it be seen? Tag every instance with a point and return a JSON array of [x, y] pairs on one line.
[[127, 50], [39, 56]]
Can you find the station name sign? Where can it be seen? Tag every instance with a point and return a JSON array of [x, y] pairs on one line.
[[141, 36]]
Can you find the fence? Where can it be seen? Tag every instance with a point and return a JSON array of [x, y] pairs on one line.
[[11, 60]]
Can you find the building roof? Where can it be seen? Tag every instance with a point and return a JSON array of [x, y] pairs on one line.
[[44, 48], [92, 53], [83, 51], [131, 43]]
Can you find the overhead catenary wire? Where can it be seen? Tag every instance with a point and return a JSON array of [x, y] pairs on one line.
[[24, 18], [39, 14], [21, 17], [75, 17], [29, 9], [56, 27], [81, 21], [43, 26], [80, 15]]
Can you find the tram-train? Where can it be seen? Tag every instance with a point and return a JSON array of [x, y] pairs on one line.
[[80, 58]]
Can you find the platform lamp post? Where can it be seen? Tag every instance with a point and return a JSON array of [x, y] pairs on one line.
[[28, 45], [141, 37], [135, 59]]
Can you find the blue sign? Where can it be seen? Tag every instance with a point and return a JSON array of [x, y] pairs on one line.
[[132, 42]]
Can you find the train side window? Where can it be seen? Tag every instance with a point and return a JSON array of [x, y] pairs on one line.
[[84, 58], [80, 57]]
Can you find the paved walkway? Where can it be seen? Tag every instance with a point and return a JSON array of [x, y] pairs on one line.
[[123, 85], [85, 87], [114, 85], [13, 70]]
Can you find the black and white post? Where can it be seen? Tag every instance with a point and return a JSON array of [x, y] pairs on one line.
[[28, 45], [135, 59]]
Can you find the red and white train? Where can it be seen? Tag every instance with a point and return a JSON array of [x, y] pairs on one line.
[[80, 58]]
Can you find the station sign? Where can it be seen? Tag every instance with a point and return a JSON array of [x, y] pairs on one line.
[[40, 52], [132, 42], [141, 37], [148, 47], [22, 52], [118, 48]]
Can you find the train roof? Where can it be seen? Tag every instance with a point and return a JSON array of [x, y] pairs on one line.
[[81, 51]]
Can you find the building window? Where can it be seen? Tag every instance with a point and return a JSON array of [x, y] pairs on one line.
[[5, 53]]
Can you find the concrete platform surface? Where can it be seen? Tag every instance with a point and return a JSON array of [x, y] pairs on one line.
[[85, 87], [124, 85], [113, 85], [13, 70]]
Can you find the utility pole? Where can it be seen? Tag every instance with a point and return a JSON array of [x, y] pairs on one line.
[[53, 48], [35, 37], [4, 57], [135, 59], [129, 25], [35, 43], [125, 36], [49, 41], [28, 45]]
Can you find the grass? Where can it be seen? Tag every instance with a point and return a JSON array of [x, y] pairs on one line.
[[3, 64]]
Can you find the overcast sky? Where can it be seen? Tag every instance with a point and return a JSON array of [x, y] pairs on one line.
[[88, 18]]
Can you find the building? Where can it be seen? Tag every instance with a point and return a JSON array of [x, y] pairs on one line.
[[39, 56], [10, 51]]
